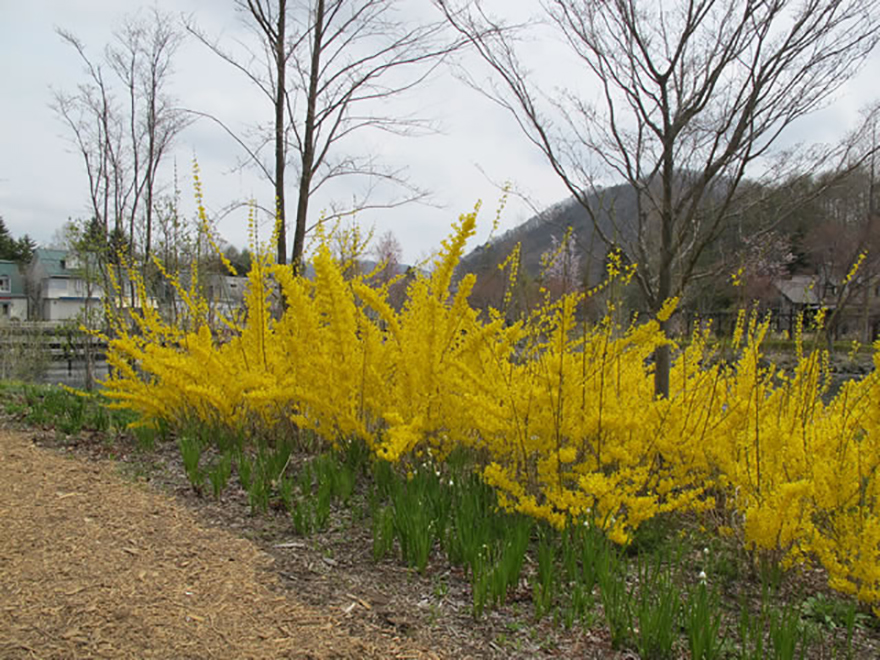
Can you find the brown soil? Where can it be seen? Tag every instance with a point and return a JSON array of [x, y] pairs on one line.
[[107, 551], [94, 566]]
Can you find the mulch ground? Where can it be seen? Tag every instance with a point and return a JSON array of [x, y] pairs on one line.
[[106, 550], [95, 566]]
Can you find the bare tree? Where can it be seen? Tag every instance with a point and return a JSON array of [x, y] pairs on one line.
[[268, 19], [123, 123], [691, 94], [91, 115], [388, 253], [142, 60], [330, 68], [562, 267]]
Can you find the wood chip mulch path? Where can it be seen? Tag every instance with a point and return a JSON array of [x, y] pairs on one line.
[[92, 566]]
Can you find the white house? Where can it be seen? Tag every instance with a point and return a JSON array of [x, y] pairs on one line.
[[13, 298], [61, 292]]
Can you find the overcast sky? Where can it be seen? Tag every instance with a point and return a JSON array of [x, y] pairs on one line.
[[43, 183]]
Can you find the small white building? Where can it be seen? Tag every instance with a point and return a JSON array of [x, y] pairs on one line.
[[61, 291], [13, 297]]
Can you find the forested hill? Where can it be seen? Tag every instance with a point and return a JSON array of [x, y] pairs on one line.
[[818, 227], [541, 233]]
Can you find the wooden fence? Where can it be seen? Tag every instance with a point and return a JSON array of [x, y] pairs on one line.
[[50, 353]]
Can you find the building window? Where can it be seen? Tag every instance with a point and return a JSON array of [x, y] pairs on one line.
[[5, 284], [4, 309]]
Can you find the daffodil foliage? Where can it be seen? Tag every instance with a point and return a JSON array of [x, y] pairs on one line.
[[560, 415]]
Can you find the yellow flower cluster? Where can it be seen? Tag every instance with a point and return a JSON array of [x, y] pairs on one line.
[[561, 414]]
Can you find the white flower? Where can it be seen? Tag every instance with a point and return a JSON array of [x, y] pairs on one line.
[[702, 577]]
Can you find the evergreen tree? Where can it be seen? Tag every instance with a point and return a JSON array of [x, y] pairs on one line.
[[8, 247], [21, 250], [26, 248]]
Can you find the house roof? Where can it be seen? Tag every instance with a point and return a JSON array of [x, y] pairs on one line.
[[10, 269], [800, 289], [53, 261]]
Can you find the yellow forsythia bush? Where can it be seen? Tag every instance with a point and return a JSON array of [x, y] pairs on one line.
[[561, 414]]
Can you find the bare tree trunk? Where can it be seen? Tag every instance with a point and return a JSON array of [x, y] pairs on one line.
[[867, 337], [308, 151], [89, 340], [280, 136], [662, 356], [150, 183]]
